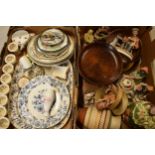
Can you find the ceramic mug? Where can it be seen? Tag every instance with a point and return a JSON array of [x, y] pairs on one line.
[[25, 62]]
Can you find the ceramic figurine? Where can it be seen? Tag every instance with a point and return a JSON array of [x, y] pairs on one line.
[[21, 38], [106, 102], [141, 116], [101, 33], [140, 74], [89, 37], [141, 91], [110, 98], [135, 41], [89, 98]]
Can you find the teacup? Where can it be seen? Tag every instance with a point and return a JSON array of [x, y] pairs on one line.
[[8, 68], [4, 89], [13, 47], [3, 111], [10, 59], [6, 78], [4, 123], [3, 100], [25, 62]]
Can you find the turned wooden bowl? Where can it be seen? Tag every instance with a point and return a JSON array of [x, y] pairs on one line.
[[100, 64]]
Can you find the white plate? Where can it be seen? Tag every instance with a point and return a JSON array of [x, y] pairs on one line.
[[55, 47], [45, 59], [60, 109], [52, 37]]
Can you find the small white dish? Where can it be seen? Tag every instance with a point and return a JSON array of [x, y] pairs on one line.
[[3, 100], [4, 89], [6, 78], [25, 62], [10, 59], [3, 111], [8, 68], [4, 123]]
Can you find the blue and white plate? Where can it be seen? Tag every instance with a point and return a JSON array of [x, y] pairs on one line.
[[31, 102]]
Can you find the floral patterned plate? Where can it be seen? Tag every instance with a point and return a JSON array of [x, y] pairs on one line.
[[13, 110], [43, 86]]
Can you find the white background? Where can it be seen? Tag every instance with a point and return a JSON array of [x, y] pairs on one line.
[[77, 12]]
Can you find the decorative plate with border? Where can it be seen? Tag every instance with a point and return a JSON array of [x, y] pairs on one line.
[[43, 84], [45, 59]]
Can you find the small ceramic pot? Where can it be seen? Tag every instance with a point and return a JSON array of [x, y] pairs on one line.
[[49, 99], [10, 59], [4, 89], [22, 82], [6, 78], [4, 123], [3, 100], [13, 47], [8, 68], [25, 62], [3, 111]]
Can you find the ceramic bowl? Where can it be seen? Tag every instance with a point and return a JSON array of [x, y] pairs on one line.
[[3, 111], [4, 123], [8, 68], [10, 59], [6, 78], [4, 89], [13, 47], [3, 100]]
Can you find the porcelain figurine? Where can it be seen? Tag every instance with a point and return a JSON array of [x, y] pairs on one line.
[[141, 115], [140, 74], [89, 98], [106, 100], [101, 33], [89, 37]]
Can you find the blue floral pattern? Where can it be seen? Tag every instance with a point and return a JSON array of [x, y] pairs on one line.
[[23, 120]]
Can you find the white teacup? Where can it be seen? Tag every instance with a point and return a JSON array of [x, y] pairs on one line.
[[25, 62], [3, 99], [3, 111], [13, 47], [4, 123]]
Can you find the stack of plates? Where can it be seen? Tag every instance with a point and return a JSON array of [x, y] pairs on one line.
[[51, 47]]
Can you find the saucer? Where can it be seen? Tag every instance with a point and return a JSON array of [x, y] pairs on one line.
[[26, 105]]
